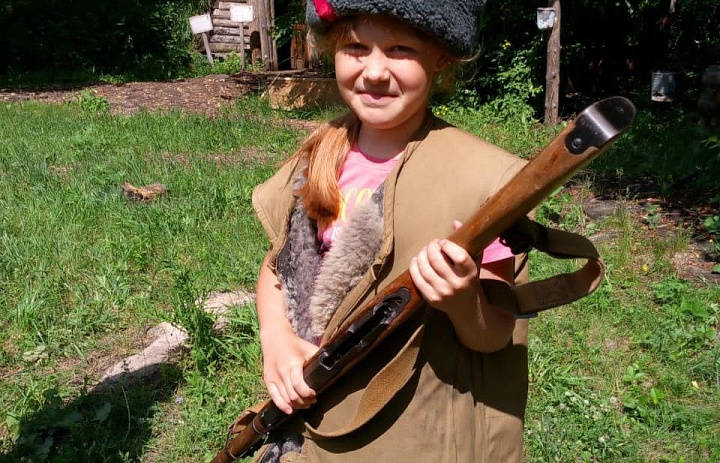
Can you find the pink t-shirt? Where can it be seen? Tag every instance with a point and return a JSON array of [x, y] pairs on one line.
[[360, 176]]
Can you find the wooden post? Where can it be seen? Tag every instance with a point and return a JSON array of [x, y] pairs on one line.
[[273, 45], [207, 49], [265, 42], [242, 46], [552, 74]]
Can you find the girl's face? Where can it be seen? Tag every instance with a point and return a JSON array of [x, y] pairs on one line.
[[385, 72]]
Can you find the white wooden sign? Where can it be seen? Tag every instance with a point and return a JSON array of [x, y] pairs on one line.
[[241, 13], [201, 23], [545, 18]]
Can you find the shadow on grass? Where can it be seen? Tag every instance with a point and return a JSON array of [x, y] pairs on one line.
[[111, 423], [664, 155]]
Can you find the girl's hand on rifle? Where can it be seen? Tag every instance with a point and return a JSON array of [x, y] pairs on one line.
[[447, 277], [444, 273], [284, 354]]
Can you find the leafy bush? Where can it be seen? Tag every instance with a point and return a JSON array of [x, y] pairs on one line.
[[713, 144], [514, 76], [712, 224], [91, 102], [146, 38]]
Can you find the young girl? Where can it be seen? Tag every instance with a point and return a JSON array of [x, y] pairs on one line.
[[365, 197]]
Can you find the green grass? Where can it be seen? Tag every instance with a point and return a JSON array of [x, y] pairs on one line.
[[514, 134], [79, 263], [631, 373]]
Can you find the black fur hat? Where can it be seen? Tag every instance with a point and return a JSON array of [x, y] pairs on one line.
[[454, 22]]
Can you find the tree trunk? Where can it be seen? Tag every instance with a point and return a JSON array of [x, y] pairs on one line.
[[552, 75]]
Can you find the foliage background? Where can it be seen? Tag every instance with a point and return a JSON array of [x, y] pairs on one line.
[[609, 46], [149, 39]]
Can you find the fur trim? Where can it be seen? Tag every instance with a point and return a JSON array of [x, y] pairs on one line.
[[314, 287], [350, 257], [284, 442], [298, 265]]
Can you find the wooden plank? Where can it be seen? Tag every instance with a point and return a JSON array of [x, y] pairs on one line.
[[227, 23], [273, 44], [227, 39], [225, 47], [265, 43], [226, 30], [222, 14], [226, 5]]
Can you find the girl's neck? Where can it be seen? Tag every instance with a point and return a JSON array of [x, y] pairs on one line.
[[387, 143]]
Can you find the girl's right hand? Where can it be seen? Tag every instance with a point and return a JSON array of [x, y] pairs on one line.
[[284, 354]]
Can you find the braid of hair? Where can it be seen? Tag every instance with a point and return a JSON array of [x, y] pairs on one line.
[[324, 153]]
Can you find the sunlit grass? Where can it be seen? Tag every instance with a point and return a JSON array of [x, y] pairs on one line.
[[631, 373]]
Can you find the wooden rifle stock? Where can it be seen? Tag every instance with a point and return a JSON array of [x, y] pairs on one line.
[[585, 138]]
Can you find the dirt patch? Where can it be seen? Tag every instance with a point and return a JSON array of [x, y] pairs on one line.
[[661, 219], [112, 348], [693, 266], [204, 95]]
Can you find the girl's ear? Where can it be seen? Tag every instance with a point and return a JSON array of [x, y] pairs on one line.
[[443, 62]]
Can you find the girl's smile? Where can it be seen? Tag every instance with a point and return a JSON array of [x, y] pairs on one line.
[[374, 98], [385, 73]]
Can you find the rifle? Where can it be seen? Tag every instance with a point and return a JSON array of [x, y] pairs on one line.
[[592, 131]]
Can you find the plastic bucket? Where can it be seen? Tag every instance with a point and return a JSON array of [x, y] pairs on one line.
[[663, 86]]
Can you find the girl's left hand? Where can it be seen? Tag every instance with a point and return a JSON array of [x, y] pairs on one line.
[[444, 272]]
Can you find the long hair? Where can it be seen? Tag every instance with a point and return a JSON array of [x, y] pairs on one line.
[[324, 153]]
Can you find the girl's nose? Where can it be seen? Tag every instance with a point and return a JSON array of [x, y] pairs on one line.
[[376, 69]]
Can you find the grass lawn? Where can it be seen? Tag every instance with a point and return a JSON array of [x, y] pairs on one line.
[[631, 373]]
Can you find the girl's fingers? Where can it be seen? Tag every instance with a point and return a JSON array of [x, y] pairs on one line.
[[422, 285], [277, 397], [451, 262], [427, 268], [463, 264], [300, 395], [306, 395], [440, 263], [478, 259], [432, 287], [294, 399]]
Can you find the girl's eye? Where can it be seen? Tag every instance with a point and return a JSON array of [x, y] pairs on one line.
[[354, 48], [402, 50]]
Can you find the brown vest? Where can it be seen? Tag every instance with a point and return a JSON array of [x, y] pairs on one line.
[[451, 404]]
